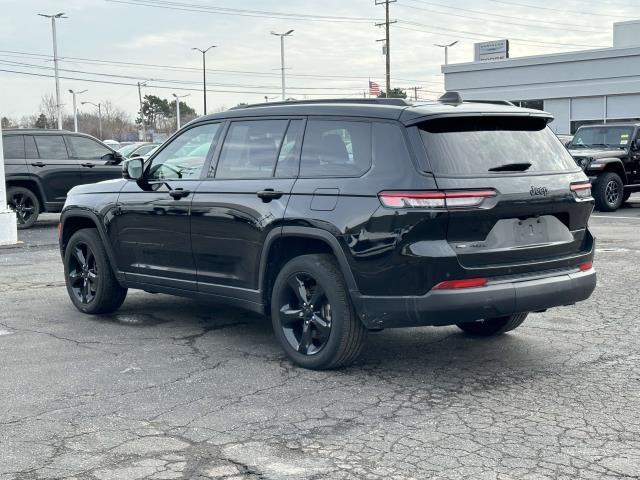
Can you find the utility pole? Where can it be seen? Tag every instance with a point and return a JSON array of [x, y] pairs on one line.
[[8, 225], [75, 109], [99, 105], [387, 40], [204, 74], [55, 63], [144, 129], [178, 97], [446, 50], [415, 93], [282, 35]]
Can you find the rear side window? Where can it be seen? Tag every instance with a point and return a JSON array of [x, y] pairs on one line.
[[30, 149], [290, 151], [51, 147], [336, 148], [251, 148], [13, 146], [474, 145], [86, 149]]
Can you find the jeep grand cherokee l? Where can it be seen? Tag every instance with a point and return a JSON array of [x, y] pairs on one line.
[[340, 217], [41, 166]]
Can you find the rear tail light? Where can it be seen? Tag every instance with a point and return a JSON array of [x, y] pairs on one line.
[[435, 200], [585, 266], [456, 284], [581, 190]]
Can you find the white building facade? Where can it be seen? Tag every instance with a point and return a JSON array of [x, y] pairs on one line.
[[578, 88]]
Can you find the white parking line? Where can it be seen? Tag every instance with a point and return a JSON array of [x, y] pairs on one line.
[[615, 216]]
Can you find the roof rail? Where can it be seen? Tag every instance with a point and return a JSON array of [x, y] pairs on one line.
[[375, 101], [494, 102]]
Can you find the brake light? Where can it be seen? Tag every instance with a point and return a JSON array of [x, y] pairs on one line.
[[585, 266], [435, 200], [456, 284], [581, 190]]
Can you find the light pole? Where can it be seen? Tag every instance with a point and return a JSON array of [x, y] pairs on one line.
[[282, 35], [8, 226], [55, 63], [446, 50], [204, 74], [178, 97], [75, 109], [99, 105]]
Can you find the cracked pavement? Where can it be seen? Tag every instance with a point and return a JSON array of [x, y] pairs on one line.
[[169, 388]]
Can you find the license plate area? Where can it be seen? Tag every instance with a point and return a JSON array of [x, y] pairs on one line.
[[532, 231]]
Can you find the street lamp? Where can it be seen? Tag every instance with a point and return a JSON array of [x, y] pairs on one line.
[[178, 97], [282, 35], [75, 110], [204, 74], [99, 105], [446, 50], [55, 62], [144, 129]]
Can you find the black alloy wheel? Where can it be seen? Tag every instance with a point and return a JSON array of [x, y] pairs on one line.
[[612, 192], [313, 317], [25, 204], [608, 191], [83, 273], [305, 314]]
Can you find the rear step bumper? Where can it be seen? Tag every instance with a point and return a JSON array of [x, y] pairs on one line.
[[448, 307]]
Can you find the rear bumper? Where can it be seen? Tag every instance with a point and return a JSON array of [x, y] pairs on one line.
[[498, 298]]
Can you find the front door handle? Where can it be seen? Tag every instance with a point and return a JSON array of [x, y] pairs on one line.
[[38, 164], [89, 165], [269, 194], [178, 193]]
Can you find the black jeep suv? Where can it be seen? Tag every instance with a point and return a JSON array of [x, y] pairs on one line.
[[339, 217], [41, 166], [610, 155]]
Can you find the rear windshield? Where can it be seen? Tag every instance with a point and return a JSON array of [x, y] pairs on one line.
[[488, 145]]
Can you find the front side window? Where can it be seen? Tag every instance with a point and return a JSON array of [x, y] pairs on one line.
[[185, 156], [335, 148], [86, 149], [51, 147], [13, 146], [483, 145], [289, 155], [250, 149]]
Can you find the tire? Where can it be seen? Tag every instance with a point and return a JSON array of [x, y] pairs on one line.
[[493, 326], [321, 336], [25, 204], [608, 192], [90, 281]]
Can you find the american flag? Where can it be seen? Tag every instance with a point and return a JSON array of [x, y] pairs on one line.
[[374, 89]]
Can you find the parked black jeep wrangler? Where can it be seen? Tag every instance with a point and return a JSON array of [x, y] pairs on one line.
[[41, 166], [610, 155], [339, 217]]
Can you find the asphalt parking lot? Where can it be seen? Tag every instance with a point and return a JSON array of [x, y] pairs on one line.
[[168, 388]]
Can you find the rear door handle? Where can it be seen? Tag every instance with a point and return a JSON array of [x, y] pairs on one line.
[[269, 194], [90, 165], [39, 164], [178, 193]]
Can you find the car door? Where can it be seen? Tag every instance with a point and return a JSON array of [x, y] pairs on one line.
[[242, 200], [152, 224], [55, 168], [98, 161], [633, 170]]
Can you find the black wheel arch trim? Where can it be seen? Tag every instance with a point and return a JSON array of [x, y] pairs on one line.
[[9, 182], [70, 215], [307, 232], [614, 161]]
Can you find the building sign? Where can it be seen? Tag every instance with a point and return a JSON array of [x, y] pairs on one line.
[[489, 51]]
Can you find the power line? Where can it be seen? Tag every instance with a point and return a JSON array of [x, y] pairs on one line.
[[553, 26], [192, 7], [566, 12]]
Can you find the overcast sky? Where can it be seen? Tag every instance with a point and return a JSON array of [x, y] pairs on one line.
[[330, 58]]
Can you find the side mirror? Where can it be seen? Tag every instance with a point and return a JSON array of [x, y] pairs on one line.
[[636, 144], [112, 158], [133, 169]]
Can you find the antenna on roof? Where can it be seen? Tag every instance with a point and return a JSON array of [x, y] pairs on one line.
[[451, 98]]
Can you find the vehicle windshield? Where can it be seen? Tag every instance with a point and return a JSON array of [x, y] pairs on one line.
[[612, 137], [493, 146]]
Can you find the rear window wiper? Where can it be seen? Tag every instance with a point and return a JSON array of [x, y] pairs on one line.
[[511, 167]]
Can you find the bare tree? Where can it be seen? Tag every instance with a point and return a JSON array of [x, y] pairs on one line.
[[49, 109]]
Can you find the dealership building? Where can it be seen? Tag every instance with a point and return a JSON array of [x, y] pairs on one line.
[[578, 88]]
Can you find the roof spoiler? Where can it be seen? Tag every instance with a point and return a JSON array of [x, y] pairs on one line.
[[455, 98]]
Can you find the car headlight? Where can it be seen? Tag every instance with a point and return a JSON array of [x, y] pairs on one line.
[[583, 163]]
